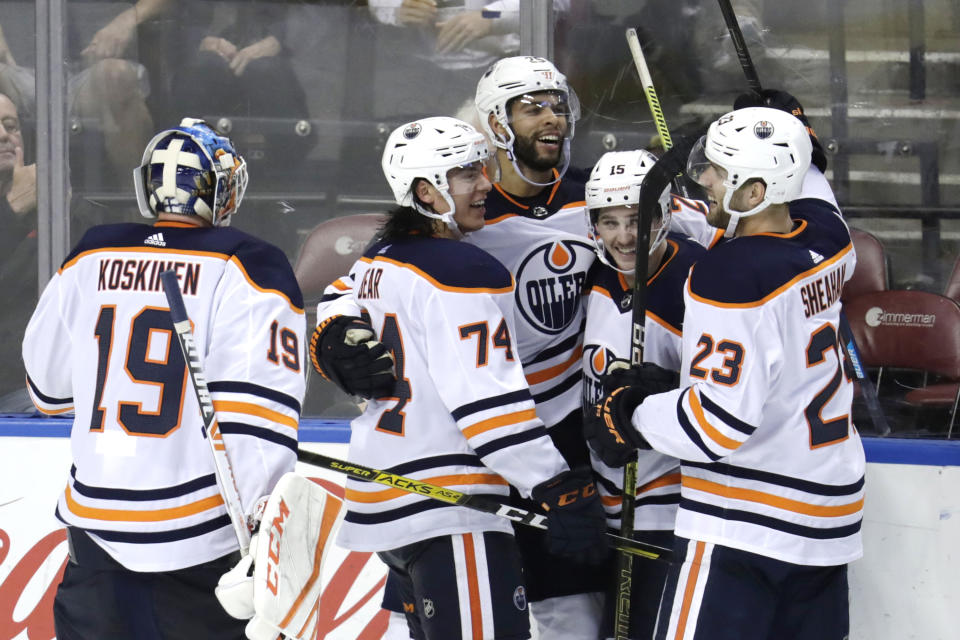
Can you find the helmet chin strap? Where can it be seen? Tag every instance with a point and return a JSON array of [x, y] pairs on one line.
[[447, 217], [562, 170], [604, 255], [736, 215]]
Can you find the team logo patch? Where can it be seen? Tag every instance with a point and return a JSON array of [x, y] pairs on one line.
[[520, 598], [428, 610], [626, 302], [550, 283], [763, 129], [412, 131]]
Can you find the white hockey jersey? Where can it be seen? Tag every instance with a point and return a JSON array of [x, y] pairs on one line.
[[101, 344], [462, 415], [544, 242], [607, 337], [772, 463]]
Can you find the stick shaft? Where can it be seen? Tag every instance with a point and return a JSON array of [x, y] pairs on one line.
[[743, 55], [653, 101], [451, 496], [877, 417], [211, 430]]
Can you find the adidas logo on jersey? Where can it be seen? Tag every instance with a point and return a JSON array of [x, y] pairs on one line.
[[156, 240], [816, 257]]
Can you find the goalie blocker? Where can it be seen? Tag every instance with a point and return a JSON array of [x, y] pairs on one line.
[[277, 586]]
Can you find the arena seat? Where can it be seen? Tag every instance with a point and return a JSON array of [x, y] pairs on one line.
[[913, 330], [330, 249], [871, 273]]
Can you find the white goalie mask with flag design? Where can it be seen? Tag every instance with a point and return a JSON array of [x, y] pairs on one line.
[[191, 170]]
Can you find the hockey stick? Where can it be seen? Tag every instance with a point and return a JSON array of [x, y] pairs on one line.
[[637, 338], [648, 89], [736, 35], [478, 503], [870, 398], [211, 430], [653, 101], [847, 341]]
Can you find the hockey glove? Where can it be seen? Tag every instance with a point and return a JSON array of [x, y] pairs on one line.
[[343, 350], [785, 102], [610, 431], [576, 522]]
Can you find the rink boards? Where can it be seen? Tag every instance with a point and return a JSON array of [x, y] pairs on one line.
[[907, 585]]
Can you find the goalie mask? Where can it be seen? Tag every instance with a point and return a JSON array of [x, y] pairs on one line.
[[539, 85], [615, 184], [429, 149], [754, 143], [190, 170]]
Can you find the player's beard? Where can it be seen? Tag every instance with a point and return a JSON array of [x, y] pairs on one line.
[[718, 217], [525, 148]]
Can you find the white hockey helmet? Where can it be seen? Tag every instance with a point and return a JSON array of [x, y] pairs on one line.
[[756, 142], [615, 182], [428, 148], [191, 170], [513, 77]]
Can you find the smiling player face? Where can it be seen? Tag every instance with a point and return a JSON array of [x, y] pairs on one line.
[[468, 187], [540, 124]]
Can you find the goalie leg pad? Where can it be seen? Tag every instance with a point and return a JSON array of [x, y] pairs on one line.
[[299, 521]]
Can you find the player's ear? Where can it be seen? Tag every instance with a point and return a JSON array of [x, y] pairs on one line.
[[757, 192], [497, 128], [425, 192]]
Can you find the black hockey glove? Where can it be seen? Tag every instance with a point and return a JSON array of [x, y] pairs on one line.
[[785, 102], [610, 432], [343, 350], [576, 522]]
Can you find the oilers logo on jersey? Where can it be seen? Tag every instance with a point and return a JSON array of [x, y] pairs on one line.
[[597, 358], [550, 282]]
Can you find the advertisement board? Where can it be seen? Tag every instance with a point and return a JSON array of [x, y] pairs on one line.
[[906, 586]]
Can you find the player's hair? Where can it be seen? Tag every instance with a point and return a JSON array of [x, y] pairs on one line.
[[403, 222]]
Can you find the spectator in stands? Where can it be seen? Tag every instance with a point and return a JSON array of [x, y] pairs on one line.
[[238, 52], [107, 90], [16, 82], [18, 250], [450, 43], [111, 87]]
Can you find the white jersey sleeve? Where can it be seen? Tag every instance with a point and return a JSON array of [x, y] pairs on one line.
[[47, 344], [338, 300]]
